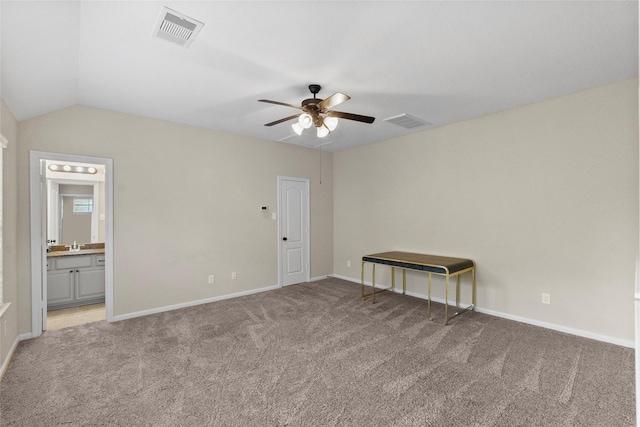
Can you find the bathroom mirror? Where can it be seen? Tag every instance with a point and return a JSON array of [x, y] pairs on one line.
[[76, 212], [75, 208]]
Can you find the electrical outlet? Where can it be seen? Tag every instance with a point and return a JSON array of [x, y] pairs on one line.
[[212, 279], [348, 263], [546, 298], [234, 276]]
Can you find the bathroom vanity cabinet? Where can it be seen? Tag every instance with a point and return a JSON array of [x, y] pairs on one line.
[[75, 280]]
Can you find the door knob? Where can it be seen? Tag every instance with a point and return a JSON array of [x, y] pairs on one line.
[[284, 238]]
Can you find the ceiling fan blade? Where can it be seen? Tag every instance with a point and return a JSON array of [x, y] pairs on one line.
[[295, 116], [350, 116], [279, 103], [333, 100]]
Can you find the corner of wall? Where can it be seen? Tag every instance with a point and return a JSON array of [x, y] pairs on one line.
[[9, 328]]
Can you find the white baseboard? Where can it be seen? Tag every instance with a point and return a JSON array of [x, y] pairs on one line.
[[26, 336], [202, 301], [5, 364], [191, 303], [552, 326], [3, 307]]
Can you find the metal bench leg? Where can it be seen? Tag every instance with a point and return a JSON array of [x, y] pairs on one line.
[[404, 281], [473, 287], [471, 306], [429, 299], [362, 280], [373, 279], [393, 279], [446, 300], [373, 283], [373, 292]]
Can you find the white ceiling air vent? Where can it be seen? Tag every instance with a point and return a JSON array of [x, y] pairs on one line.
[[305, 139], [406, 121], [177, 28]]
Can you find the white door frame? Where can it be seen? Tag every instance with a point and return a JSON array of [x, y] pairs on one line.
[[39, 245], [307, 246]]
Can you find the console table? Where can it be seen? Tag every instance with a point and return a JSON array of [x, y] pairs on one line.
[[431, 264]]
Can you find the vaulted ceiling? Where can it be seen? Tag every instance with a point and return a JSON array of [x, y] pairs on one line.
[[441, 62]]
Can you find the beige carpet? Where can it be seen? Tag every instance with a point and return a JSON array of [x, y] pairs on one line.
[[316, 355]]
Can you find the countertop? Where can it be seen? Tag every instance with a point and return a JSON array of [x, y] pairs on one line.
[[56, 254]]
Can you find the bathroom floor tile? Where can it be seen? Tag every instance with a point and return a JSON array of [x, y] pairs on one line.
[[58, 319]]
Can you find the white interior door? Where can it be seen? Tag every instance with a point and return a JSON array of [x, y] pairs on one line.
[[293, 210]]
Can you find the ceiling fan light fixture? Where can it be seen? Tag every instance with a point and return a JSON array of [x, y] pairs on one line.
[[331, 123], [297, 128], [305, 121], [322, 131], [72, 169], [317, 112]]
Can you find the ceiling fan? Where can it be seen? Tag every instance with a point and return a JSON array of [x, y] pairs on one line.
[[318, 112]]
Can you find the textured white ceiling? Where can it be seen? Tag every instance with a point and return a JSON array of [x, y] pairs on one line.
[[442, 62]]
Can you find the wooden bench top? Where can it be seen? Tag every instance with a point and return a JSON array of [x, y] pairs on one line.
[[430, 263]]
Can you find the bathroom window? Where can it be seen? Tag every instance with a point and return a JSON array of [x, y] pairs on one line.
[[82, 205]]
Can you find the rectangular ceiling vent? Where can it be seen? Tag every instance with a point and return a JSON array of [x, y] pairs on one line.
[[406, 121], [306, 140], [177, 28]]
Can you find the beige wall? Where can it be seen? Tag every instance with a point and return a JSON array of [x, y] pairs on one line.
[[9, 129], [75, 189], [186, 205], [544, 198]]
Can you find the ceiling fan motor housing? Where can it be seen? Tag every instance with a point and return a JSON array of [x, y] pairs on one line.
[[309, 105], [311, 102], [314, 89]]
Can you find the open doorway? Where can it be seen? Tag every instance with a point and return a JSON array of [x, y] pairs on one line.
[[71, 239]]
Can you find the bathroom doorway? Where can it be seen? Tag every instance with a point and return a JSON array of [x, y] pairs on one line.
[[78, 291]]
